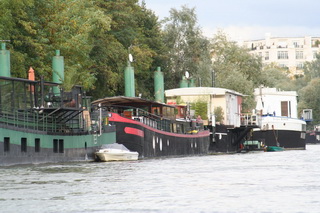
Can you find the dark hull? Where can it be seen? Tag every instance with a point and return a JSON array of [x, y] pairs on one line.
[[16, 157], [76, 147], [312, 137], [225, 140], [286, 138], [150, 142]]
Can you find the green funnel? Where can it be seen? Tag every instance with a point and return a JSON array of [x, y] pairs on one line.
[[159, 85], [58, 70], [4, 61]]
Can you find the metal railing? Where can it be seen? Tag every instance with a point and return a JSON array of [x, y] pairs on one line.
[[250, 119], [149, 119], [38, 121]]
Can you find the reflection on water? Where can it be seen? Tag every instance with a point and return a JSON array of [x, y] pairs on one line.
[[253, 182]]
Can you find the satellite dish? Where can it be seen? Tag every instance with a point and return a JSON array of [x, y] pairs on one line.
[[187, 74], [130, 58]]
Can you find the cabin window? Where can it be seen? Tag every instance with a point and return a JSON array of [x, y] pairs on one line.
[[180, 128], [55, 145], [174, 127], [23, 144], [61, 146], [37, 145], [6, 144]]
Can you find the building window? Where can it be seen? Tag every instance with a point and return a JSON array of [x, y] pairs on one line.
[[297, 45], [23, 144], [315, 43], [283, 65], [266, 56], [283, 55], [6, 144], [55, 145], [314, 54], [37, 145], [300, 65], [61, 146], [299, 54]]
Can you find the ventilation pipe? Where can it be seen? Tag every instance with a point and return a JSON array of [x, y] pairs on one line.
[[58, 70], [192, 83], [184, 82], [4, 61], [158, 85], [129, 80]]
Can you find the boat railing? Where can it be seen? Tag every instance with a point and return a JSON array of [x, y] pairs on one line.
[[143, 116], [249, 119], [38, 120]]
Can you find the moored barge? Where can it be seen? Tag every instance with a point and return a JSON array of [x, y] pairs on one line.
[[151, 129], [42, 123]]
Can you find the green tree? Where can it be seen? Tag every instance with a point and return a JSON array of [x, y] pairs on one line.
[[38, 27], [134, 29], [218, 113], [187, 50], [70, 27], [310, 99], [308, 88], [17, 28], [235, 68], [312, 69], [200, 108], [274, 76]]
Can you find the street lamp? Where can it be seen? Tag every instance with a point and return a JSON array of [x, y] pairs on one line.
[[213, 78]]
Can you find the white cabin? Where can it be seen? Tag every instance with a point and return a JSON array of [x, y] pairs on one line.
[[275, 102]]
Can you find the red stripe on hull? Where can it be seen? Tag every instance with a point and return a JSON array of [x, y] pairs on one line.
[[117, 118], [134, 131]]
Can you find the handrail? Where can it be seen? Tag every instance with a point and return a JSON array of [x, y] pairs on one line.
[[147, 118], [249, 119], [37, 120]]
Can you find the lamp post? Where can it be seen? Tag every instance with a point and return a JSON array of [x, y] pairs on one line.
[[213, 78]]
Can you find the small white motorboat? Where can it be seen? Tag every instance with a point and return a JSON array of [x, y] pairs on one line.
[[115, 152]]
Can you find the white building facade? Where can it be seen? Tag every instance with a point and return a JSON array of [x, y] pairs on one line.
[[286, 52]]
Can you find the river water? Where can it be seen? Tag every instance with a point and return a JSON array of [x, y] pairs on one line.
[[286, 181]]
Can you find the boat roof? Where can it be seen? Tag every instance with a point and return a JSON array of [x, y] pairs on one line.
[[129, 101], [200, 91]]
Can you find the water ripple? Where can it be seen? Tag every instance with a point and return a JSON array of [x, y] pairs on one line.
[[253, 182]]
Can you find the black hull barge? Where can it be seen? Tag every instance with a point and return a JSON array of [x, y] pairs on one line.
[[289, 133], [151, 129]]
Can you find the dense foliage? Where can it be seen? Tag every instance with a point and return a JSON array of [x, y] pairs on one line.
[[235, 68], [308, 88], [96, 36], [187, 50]]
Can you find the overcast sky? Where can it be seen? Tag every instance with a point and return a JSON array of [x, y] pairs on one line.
[[249, 19]]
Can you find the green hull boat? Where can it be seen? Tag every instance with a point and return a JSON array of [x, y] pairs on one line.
[[273, 149]]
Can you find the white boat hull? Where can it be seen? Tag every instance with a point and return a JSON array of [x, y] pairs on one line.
[[117, 156]]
